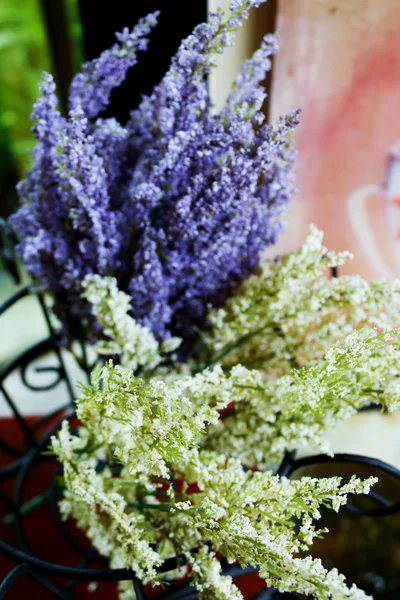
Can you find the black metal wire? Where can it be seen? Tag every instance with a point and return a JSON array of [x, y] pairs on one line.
[[57, 350], [29, 439], [59, 523], [14, 298], [13, 576], [21, 363], [8, 449], [8, 242], [25, 569], [85, 562]]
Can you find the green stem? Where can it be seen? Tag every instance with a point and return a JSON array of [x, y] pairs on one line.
[[26, 508], [165, 506], [156, 494], [228, 350]]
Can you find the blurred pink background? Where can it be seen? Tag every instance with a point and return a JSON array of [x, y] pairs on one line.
[[340, 62]]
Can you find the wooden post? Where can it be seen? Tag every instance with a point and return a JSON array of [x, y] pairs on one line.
[[55, 19]]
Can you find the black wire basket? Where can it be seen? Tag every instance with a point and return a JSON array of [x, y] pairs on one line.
[[22, 461]]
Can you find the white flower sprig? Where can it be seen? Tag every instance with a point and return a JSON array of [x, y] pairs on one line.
[[269, 418], [100, 510], [147, 425], [289, 314], [134, 344], [251, 517]]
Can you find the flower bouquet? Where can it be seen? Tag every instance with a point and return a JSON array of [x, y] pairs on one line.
[[214, 361]]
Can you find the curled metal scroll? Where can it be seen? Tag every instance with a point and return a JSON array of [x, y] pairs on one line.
[[23, 363]]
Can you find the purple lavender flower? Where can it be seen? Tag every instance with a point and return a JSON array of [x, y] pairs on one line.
[[177, 205], [39, 216], [68, 227], [83, 190], [91, 88], [225, 180], [248, 94]]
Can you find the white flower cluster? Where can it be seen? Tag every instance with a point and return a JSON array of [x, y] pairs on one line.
[[251, 517], [134, 344], [160, 466], [290, 314], [98, 507], [146, 425], [271, 417]]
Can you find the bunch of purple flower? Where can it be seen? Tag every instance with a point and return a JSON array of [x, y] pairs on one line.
[[178, 204]]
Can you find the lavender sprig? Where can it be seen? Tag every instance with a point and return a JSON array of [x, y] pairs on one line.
[[91, 88]]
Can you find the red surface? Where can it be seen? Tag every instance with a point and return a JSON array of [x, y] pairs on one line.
[[45, 541]]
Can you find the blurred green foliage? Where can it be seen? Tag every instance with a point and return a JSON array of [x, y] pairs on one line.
[[24, 54]]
